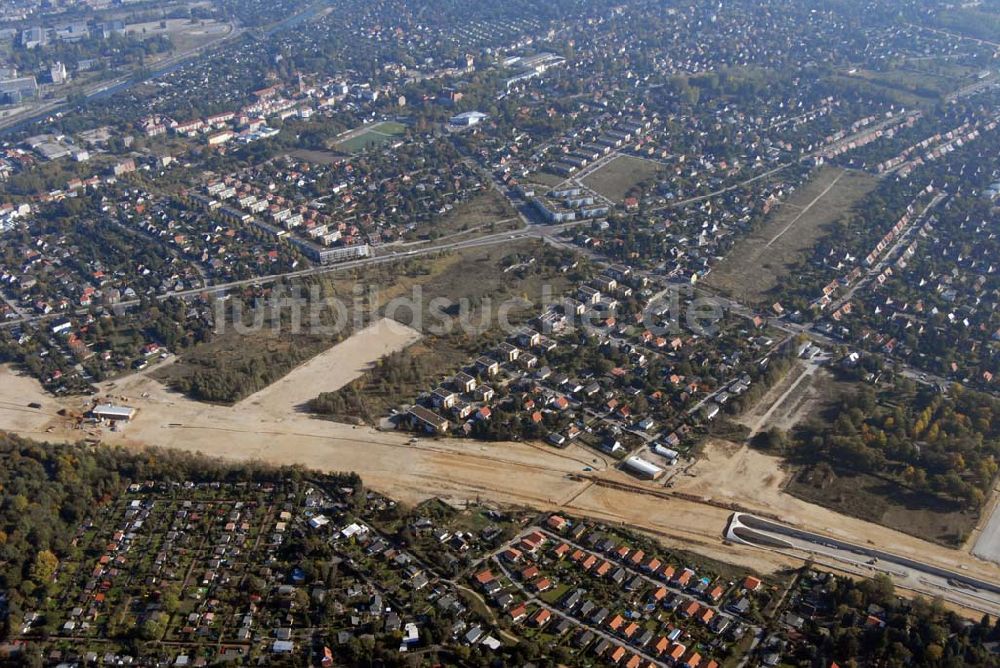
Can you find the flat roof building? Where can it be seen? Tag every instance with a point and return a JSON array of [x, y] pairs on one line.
[[427, 420], [13, 91], [468, 118], [112, 412]]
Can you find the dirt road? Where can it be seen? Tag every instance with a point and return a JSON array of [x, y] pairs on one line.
[[331, 369], [267, 427], [734, 473], [764, 258]]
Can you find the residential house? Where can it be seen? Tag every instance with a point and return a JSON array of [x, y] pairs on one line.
[[427, 420], [463, 382], [487, 366]]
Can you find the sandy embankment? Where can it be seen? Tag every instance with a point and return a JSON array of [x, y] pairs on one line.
[[269, 426], [16, 392], [732, 473], [331, 369]]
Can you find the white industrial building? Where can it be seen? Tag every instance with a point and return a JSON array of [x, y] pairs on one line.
[[113, 413], [641, 468], [665, 452], [468, 118]]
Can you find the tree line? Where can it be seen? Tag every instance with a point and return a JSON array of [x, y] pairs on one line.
[[946, 445], [866, 624]]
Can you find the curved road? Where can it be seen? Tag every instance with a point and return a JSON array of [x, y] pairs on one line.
[[958, 588]]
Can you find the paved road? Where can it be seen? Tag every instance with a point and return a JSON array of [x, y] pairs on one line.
[[556, 612], [812, 365], [803, 212], [907, 572], [889, 256], [956, 35], [774, 170], [598, 630], [806, 329], [100, 88], [543, 232], [557, 538]]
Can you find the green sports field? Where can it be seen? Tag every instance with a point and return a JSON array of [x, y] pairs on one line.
[[373, 135]]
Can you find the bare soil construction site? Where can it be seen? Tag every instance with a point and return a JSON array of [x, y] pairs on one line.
[[270, 426]]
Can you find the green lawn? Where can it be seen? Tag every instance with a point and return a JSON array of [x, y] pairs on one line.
[[621, 175], [374, 135], [553, 595]]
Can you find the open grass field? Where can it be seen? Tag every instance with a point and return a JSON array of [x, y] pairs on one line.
[[781, 405], [545, 179], [918, 83], [241, 363], [615, 179], [476, 214], [317, 157], [183, 34], [974, 20], [477, 275], [248, 361], [806, 390], [372, 396], [884, 502], [759, 262], [334, 367], [237, 364], [811, 392], [369, 136]]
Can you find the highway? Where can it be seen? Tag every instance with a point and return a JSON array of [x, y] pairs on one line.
[[909, 573]]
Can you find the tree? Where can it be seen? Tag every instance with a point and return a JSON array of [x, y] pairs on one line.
[[170, 598], [880, 589], [772, 440], [44, 568], [153, 627]]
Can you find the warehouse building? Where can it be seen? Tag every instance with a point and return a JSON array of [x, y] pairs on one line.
[[13, 91], [642, 469], [667, 453], [113, 413]]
